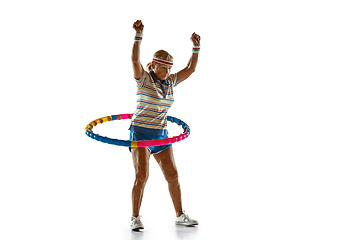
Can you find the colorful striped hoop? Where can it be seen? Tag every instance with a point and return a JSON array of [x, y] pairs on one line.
[[126, 143]]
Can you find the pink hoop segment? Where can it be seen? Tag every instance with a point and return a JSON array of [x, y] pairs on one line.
[[126, 143]]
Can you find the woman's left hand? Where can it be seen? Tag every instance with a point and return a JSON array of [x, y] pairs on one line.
[[195, 39]]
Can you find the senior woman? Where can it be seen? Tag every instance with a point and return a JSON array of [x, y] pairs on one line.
[[155, 97]]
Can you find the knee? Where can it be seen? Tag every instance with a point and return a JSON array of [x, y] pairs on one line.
[[172, 177], [141, 177]]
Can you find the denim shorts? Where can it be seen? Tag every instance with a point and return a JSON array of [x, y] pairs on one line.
[[138, 136]]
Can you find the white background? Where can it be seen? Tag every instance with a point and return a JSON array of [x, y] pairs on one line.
[[273, 107]]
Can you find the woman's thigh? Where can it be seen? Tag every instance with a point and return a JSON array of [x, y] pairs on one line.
[[141, 158], [166, 162]]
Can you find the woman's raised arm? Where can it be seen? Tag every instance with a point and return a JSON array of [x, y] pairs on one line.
[[135, 57], [190, 68]]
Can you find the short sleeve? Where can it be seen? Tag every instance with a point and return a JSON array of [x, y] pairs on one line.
[[173, 79], [141, 81]]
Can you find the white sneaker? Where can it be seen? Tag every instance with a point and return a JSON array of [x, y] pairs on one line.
[[184, 220], [136, 223]]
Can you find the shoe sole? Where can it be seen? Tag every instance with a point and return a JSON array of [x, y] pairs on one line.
[[187, 225], [137, 228]]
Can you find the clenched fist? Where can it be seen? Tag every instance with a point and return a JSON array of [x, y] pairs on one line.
[[195, 39], [138, 26]]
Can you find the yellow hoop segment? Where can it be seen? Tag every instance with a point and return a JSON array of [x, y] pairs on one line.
[[134, 144]]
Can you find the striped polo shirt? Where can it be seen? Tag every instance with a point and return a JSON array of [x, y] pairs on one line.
[[154, 98]]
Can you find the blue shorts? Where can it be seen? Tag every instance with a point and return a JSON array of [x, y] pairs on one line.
[[138, 136]]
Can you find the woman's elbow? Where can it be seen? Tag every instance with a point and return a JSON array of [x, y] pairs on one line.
[[192, 70], [134, 59]]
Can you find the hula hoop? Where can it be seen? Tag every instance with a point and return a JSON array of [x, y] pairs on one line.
[[126, 143]]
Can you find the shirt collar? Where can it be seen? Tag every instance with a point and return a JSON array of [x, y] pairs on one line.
[[157, 80], [161, 85]]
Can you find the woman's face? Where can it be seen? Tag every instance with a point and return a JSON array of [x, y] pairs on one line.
[[161, 71]]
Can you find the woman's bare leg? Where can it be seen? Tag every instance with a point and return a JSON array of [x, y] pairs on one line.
[[166, 162], [141, 158]]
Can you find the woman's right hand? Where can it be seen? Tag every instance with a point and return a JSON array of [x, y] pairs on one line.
[[138, 26]]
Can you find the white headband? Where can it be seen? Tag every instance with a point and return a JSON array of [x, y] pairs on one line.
[[162, 61]]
